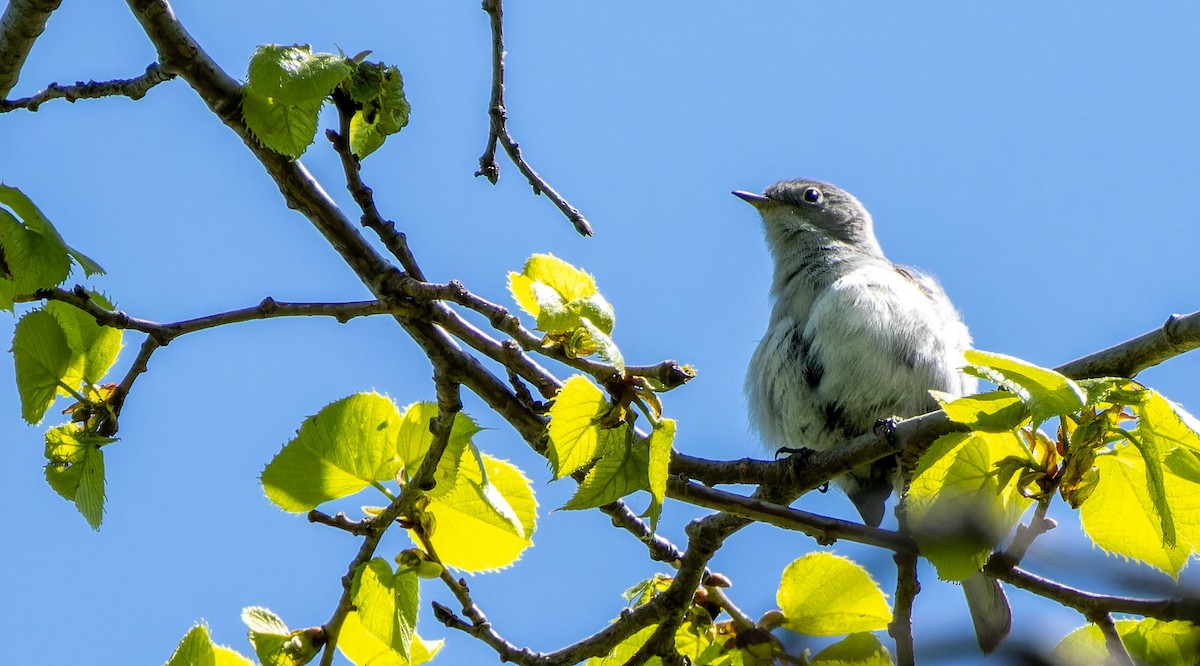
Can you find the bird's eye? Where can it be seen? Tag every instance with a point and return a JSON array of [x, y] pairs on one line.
[[812, 195]]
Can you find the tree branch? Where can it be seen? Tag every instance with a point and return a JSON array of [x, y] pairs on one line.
[[21, 24], [1180, 334], [135, 88], [498, 131]]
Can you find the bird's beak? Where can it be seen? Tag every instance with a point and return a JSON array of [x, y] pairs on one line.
[[756, 200]]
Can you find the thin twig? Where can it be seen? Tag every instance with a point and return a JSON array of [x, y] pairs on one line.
[[1180, 334], [907, 587], [498, 130], [135, 88], [1112, 640]]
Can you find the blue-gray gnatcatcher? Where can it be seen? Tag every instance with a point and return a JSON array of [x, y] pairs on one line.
[[852, 338]]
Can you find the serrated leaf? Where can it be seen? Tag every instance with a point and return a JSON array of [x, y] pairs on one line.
[[956, 507], [1120, 516], [276, 645], [469, 536], [995, 411], [860, 649], [596, 309], [386, 603], [94, 347], [338, 452], [661, 440], [621, 471], [574, 435], [75, 469], [34, 254], [414, 439], [570, 282], [521, 288], [294, 75], [1148, 641], [625, 650], [363, 649], [1048, 393], [288, 129], [385, 111], [823, 594], [42, 357], [197, 649]]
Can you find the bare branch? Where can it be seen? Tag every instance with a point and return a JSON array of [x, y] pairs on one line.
[[907, 588], [1180, 334], [21, 24], [135, 88], [1112, 640], [499, 129]]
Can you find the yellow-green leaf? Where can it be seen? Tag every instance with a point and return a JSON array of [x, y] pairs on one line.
[[956, 508], [1121, 517], [338, 451], [197, 649], [626, 649], [75, 469], [622, 471], [661, 440], [387, 602], [414, 439], [363, 649], [42, 357], [274, 644], [288, 129], [468, 534], [861, 649], [823, 594], [996, 411], [574, 435], [94, 348], [570, 282], [1046, 392], [1148, 641]]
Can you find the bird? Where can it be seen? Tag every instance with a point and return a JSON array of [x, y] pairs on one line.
[[852, 338]]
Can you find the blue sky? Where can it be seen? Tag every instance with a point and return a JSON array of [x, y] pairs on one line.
[[1040, 160]]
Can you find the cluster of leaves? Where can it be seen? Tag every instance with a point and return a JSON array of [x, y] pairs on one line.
[[586, 430], [820, 594], [58, 350], [1126, 457], [287, 86]]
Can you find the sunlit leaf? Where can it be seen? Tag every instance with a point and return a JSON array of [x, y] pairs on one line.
[[823, 594], [625, 650], [379, 89], [94, 347], [661, 440], [861, 649], [956, 508], [42, 357], [1046, 392], [622, 470], [338, 451], [294, 75], [997, 411], [288, 129], [197, 649], [364, 649], [387, 602], [1148, 641], [574, 435], [75, 469], [469, 534]]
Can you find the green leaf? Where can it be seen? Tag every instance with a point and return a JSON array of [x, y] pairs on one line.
[[379, 89], [33, 253], [605, 348], [574, 435], [75, 469], [823, 594], [1121, 517], [569, 282], [287, 129], [468, 534], [956, 507], [387, 604], [294, 75], [1048, 393], [275, 645], [1148, 641], [595, 309], [623, 470], [558, 295], [364, 649], [42, 357], [197, 649], [338, 452], [94, 347], [661, 440], [414, 439], [861, 649], [625, 650], [996, 411]]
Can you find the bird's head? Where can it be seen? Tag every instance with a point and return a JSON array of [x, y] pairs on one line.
[[801, 212]]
